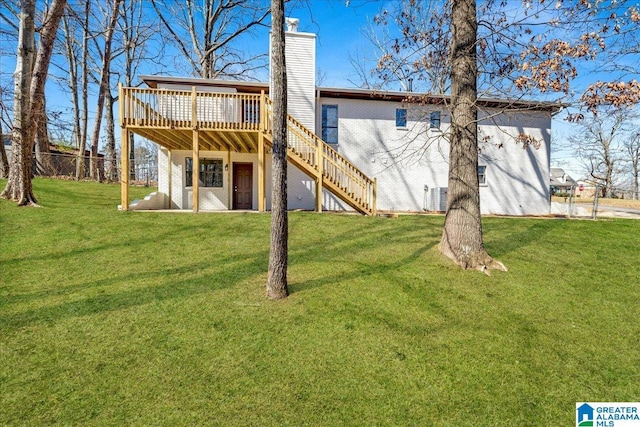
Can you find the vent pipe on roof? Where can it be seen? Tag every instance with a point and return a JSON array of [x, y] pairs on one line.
[[292, 24]]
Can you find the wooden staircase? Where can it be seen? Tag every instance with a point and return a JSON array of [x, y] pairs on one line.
[[321, 162]]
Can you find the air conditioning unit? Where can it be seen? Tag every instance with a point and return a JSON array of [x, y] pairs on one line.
[[437, 199]]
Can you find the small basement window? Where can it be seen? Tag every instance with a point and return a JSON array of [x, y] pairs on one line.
[[401, 117], [482, 175], [211, 173], [435, 120]]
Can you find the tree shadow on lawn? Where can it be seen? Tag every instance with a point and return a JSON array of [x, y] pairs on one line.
[[407, 240], [418, 237], [165, 285], [512, 234], [362, 271], [153, 236], [335, 249]]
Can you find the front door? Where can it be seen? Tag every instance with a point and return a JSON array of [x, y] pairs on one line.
[[242, 185]]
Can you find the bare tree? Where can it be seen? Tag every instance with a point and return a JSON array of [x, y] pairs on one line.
[[598, 143], [5, 93], [104, 90], [43, 164], [5, 120], [72, 57], [277, 276], [137, 30], [519, 49], [462, 235], [4, 161], [19, 186], [39, 134], [83, 106], [207, 36]]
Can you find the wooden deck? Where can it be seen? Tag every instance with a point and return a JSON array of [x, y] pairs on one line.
[[236, 122]]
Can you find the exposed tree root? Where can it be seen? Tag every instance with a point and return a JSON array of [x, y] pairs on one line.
[[11, 192], [478, 260]]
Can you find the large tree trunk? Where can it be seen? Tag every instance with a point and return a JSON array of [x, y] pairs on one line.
[[462, 235], [73, 78], [112, 170], [18, 186], [84, 121], [44, 163], [38, 130], [277, 277]]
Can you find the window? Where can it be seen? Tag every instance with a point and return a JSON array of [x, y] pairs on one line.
[[210, 172], [482, 175], [330, 124], [401, 117], [435, 120]]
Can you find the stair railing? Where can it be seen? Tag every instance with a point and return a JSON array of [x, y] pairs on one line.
[[329, 163]]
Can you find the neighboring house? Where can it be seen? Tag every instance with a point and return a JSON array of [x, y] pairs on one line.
[[349, 149], [561, 182]]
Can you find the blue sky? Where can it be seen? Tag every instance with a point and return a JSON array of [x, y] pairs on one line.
[[339, 28]]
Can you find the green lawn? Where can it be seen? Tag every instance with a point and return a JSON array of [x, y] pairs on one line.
[[124, 318]]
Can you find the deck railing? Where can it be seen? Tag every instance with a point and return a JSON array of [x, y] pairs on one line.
[[176, 109], [328, 162]]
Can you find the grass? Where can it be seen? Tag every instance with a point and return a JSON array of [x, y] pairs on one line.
[[124, 318]]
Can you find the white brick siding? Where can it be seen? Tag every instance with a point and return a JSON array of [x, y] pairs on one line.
[[406, 160]]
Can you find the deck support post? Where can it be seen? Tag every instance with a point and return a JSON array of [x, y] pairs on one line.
[[169, 176], [262, 202], [375, 197], [229, 170], [261, 173], [124, 169], [319, 165], [195, 174]]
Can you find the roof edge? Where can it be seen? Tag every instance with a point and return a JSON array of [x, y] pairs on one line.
[[358, 93]]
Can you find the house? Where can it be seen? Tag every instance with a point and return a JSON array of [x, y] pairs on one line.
[[561, 182], [348, 149]]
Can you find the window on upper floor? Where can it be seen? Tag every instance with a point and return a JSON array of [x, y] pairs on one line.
[[401, 117], [482, 175], [330, 124], [435, 120], [210, 172]]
